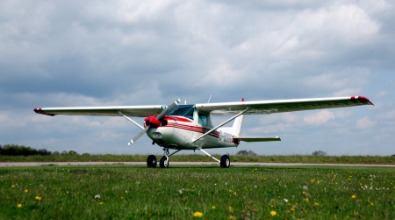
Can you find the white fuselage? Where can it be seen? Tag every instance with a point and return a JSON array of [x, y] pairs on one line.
[[180, 132]]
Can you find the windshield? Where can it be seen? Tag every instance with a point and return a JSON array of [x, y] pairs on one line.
[[183, 110]]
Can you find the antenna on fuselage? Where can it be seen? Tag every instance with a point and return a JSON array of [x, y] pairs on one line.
[[209, 99]]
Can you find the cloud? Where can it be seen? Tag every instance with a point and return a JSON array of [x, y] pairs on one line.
[[365, 123], [319, 118], [387, 117], [148, 52]]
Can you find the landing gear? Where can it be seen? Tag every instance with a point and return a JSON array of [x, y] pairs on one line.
[[164, 162], [225, 161], [151, 161]]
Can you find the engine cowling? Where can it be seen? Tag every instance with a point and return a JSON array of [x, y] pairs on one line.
[[151, 121]]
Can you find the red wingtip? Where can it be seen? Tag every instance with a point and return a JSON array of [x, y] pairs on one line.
[[365, 100], [361, 99], [37, 110], [40, 111]]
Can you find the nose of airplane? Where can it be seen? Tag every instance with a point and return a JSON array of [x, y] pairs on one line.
[[151, 121]]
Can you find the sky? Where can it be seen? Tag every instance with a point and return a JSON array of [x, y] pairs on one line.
[[98, 53]]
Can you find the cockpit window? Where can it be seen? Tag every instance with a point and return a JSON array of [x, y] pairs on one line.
[[183, 110]]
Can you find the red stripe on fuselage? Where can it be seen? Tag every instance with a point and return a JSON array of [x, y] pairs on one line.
[[196, 129], [173, 123], [177, 118]]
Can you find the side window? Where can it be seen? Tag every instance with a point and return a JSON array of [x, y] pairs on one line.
[[203, 119]]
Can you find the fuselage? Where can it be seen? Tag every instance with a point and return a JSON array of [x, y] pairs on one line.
[[180, 130]]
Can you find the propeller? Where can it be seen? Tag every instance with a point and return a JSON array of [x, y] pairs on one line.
[[154, 121]]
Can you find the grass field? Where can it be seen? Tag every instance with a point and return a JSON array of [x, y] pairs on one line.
[[199, 157], [207, 192]]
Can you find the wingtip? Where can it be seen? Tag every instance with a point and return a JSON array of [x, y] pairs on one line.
[[40, 111], [362, 100], [365, 100]]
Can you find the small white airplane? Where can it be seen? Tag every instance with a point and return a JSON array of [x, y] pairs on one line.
[[189, 127]]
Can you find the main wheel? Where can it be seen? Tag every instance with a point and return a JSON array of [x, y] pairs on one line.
[[164, 162], [151, 161], [225, 161]]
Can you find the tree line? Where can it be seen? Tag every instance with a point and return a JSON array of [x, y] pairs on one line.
[[21, 150]]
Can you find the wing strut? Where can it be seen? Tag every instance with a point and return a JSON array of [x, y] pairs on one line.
[[131, 120], [220, 125]]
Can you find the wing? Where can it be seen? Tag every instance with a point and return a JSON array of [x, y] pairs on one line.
[[137, 111], [277, 106]]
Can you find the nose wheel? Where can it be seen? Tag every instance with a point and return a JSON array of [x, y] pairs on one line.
[[164, 162]]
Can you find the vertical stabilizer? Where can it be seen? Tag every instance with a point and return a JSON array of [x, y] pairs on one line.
[[237, 123], [236, 128]]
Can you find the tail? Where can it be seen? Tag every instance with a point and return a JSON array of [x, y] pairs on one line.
[[236, 128]]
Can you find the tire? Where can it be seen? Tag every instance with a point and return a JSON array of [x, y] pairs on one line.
[[164, 162], [225, 161], [151, 161]]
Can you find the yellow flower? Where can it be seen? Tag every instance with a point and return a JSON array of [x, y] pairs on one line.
[[101, 203], [316, 204], [230, 209], [197, 214], [26, 190], [38, 198], [353, 197], [213, 207], [273, 213], [19, 205]]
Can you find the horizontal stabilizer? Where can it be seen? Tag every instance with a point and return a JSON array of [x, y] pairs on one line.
[[258, 139]]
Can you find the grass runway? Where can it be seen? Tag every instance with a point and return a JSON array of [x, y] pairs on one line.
[[205, 192]]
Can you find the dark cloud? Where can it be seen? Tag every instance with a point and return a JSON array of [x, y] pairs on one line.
[[56, 53]]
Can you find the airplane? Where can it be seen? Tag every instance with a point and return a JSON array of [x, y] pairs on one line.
[[189, 126]]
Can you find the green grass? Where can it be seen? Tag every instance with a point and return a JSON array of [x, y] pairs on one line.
[[137, 192], [200, 157]]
